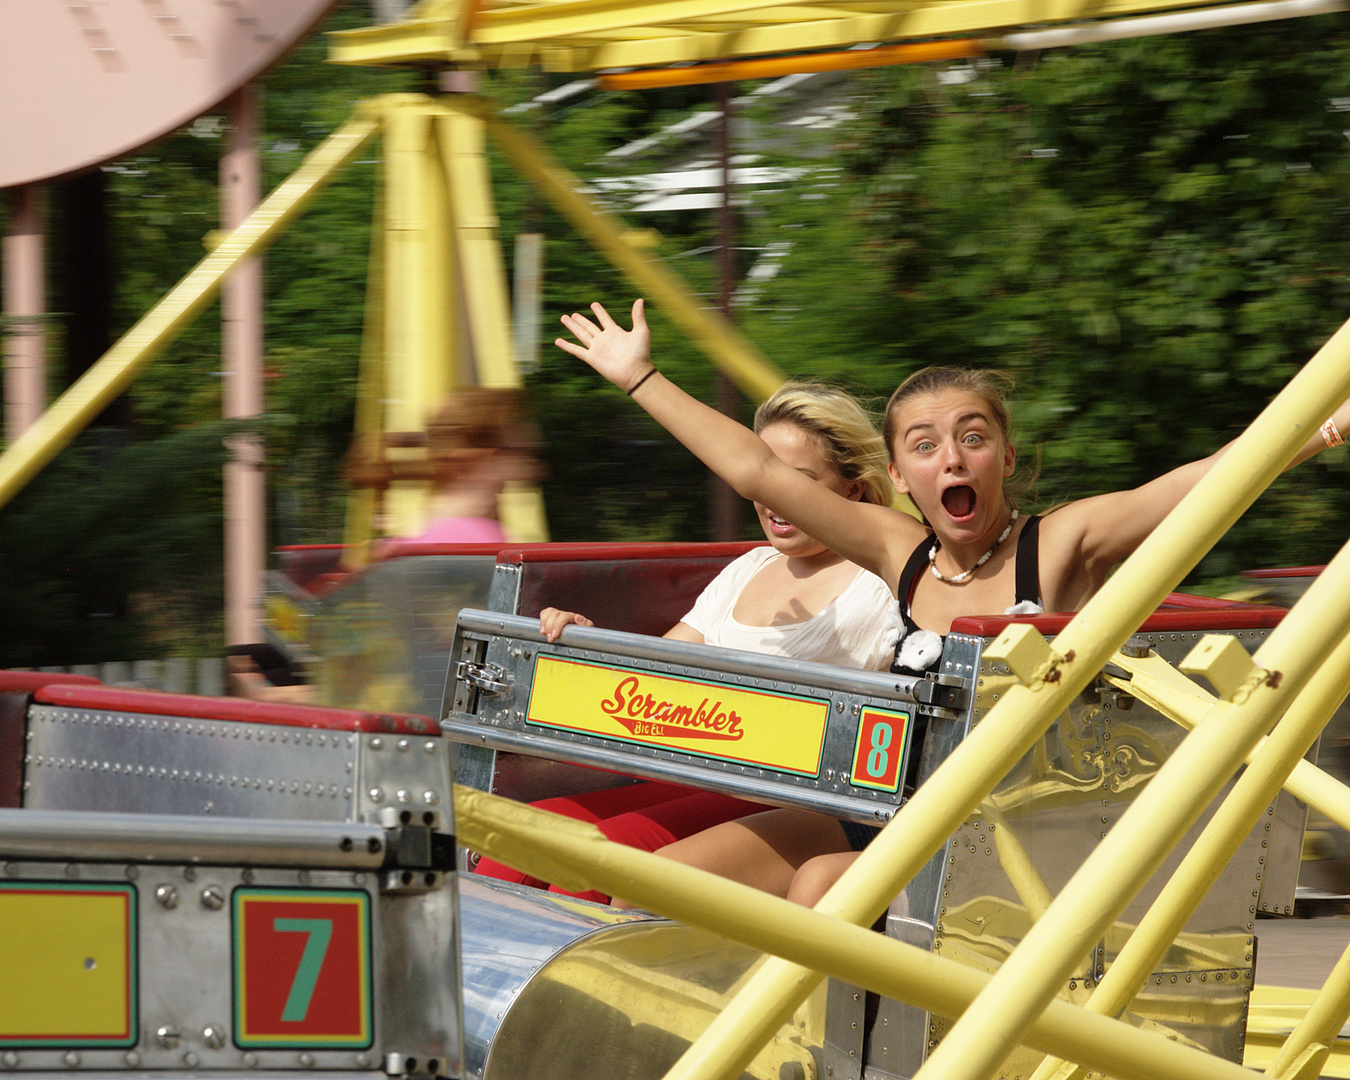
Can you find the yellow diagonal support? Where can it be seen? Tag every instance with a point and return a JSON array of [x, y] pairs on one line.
[[923, 825], [1134, 849], [1156, 683], [1268, 768], [709, 330], [576, 855], [484, 341], [97, 387]]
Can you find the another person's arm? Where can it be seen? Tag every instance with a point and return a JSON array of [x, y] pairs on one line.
[[552, 622], [876, 538]]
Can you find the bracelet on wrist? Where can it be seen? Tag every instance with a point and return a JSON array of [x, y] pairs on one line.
[[632, 389], [1330, 435]]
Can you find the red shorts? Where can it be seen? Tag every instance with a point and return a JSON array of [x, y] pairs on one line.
[[647, 815]]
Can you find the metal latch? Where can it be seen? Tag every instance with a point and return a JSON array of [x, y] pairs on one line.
[[487, 678]]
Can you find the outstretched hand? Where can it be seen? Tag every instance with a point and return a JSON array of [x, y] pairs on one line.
[[621, 356]]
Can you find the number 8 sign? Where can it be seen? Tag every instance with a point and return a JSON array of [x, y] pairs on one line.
[[879, 753], [302, 968]]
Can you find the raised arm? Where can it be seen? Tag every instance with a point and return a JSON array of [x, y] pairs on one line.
[[874, 537], [1084, 540]]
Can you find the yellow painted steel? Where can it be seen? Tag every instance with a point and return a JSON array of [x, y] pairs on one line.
[[923, 825], [112, 374], [1121, 864], [591, 35], [1274, 1014], [444, 318], [1158, 684], [419, 292], [483, 340], [715, 335], [1268, 768], [576, 855]]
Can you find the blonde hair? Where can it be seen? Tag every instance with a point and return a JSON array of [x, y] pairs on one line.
[[845, 433]]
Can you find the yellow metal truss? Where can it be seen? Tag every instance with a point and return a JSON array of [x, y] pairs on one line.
[[593, 35]]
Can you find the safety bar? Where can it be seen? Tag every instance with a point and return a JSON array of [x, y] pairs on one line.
[[80, 836], [939, 692]]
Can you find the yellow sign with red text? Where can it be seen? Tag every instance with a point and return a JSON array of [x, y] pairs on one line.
[[754, 727]]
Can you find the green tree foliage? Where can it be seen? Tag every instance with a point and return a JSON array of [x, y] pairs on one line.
[[1149, 234], [113, 552], [613, 474]]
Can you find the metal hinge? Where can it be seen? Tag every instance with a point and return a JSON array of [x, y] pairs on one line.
[[943, 692], [486, 678]]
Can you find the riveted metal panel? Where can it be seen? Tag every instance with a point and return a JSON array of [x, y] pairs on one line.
[[187, 983], [406, 774], [85, 759], [495, 707]]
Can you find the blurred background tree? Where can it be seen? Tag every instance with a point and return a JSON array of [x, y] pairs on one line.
[[1148, 234]]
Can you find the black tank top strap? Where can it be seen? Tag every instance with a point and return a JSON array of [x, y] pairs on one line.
[[1029, 561], [909, 577]]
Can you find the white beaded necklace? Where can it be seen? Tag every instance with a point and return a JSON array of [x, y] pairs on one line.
[[965, 575]]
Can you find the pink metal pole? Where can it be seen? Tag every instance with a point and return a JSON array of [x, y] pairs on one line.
[[242, 343], [24, 307]]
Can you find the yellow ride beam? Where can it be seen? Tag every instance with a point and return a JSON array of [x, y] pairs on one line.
[[719, 338], [1158, 684], [591, 35], [484, 315], [923, 825], [1267, 770], [577, 855], [112, 374]]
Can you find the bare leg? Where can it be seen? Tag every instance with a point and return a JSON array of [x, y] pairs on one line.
[[814, 878], [763, 850]]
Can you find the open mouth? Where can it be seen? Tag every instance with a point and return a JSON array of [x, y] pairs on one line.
[[959, 501]]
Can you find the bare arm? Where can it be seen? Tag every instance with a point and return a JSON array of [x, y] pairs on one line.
[[1086, 539], [876, 538]]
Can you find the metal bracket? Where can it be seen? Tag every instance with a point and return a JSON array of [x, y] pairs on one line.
[[416, 859], [943, 692]]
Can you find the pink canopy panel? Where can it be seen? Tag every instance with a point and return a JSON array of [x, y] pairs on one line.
[[85, 81]]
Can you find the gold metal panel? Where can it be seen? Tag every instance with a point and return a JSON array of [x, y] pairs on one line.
[[643, 992]]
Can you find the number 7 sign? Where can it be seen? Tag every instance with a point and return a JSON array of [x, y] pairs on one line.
[[302, 968]]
